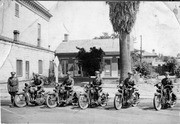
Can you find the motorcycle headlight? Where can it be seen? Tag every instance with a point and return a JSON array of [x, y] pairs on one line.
[[120, 85], [85, 89], [159, 85]]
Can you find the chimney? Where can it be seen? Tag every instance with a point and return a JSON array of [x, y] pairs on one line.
[[16, 35], [153, 51], [66, 36]]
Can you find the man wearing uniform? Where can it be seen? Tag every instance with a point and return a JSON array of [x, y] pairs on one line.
[[97, 82], [167, 81], [68, 83], [13, 87], [37, 85], [129, 82]]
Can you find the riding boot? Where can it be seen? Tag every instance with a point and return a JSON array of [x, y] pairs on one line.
[[12, 102]]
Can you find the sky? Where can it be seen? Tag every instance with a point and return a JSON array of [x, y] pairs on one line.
[[84, 20]]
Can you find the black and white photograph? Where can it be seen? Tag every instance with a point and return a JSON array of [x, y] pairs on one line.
[[89, 62]]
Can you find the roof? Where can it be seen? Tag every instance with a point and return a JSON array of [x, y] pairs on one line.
[[148, 54], [35, 5], [107, 45], [6, 39]]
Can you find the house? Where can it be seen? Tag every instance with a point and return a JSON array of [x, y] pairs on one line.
[[149, 57], [67, 52], [178, 59], [24, 43]]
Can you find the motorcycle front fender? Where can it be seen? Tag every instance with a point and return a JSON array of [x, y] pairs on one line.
[[51, 93], [20, 92], [118, 94], [82, 93], [157, 94]]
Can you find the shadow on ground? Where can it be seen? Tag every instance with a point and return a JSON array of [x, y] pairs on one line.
[[5, 102]]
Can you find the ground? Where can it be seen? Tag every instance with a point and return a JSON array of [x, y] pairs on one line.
[[143, 113]]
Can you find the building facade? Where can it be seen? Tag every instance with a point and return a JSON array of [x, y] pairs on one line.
[[67, 52], [24, 43], [149, 57]]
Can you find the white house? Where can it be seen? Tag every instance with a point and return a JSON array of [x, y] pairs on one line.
[[24, 43]]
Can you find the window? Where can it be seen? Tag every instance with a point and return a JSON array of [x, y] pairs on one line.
[[64, 64], [40, 67], [77, 69], [39, 35], [16, 10], [119, 66], [19, 68]]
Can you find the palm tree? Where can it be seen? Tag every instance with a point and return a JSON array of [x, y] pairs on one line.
[[122, 16]]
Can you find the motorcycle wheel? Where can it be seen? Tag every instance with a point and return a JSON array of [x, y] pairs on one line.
[[83, 101], [136, 100], [51, 100], [20, 100], [118, 102], [157, 102]]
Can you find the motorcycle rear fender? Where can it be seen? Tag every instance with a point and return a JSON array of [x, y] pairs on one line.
[[136, 92]]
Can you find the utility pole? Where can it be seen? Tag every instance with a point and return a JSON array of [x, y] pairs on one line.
[[140, 48]]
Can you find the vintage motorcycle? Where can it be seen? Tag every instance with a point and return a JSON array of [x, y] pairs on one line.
[[123, 98], [28, 94], [160, 99], [90, 97], [60, 96]]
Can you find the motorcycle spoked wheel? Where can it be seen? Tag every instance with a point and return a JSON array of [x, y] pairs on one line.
[[20, 100], [136, 100], [118, 102], [51, 100], [83, 101], [157, 102]]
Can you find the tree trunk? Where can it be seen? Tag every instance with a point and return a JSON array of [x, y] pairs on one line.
[[124, 56]]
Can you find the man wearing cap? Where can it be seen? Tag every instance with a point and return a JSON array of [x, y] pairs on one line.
[[167, 81], [129, 82], [97, 82], [13, 87], [68, 83], [37, 85]]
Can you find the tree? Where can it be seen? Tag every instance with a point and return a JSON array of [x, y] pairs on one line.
[[90, 61], [107, 36], [122, 16], [135, 58]]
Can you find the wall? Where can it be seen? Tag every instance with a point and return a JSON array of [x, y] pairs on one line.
[[149, 59], [24, 53], [26, 24], [114, 66]]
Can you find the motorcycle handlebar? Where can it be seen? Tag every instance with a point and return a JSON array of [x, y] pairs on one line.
[[168, 86]]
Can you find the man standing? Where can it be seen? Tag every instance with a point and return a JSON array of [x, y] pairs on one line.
[[13, 87]]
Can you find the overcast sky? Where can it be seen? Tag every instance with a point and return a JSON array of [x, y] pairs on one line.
[[84, 20]]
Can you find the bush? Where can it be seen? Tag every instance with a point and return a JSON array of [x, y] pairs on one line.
[[177, 72], [90, 61], [144, 68]]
